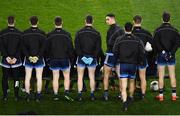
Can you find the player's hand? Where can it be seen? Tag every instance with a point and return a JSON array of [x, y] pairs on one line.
[[167, 55], [35, 59], [14, 60], [8, 59], [170, 55], [30, 59]]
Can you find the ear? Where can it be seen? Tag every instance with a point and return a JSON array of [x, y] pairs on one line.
[[162, 19], [133, 22]]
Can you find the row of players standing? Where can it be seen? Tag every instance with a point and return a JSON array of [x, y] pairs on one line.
[[58, 49]]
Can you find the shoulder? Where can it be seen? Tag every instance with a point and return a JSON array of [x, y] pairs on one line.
[[66, 32], [41, 31], [3, 31]]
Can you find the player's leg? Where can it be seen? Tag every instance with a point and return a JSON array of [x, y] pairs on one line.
[[131, 89], [119, 81], [124, 92], [107, 71], [108, 64], [120, 88], [5, 72], [28, 74], [55, 83], [39, 72], [142, 75], [16, 75], [66, 74], [91, 72], [161, 73], [132, 69], [171, 69], [80, 71]]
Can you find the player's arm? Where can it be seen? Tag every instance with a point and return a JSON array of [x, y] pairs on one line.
[[176, 43], [142, 55], [77, 45], [98, 45]]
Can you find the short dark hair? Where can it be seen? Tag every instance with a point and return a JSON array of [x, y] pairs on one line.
[[11, 20], [137, 19], [58, 21], [89, 19], [34, 20], [128, 27], [166, 16], [110, 15]]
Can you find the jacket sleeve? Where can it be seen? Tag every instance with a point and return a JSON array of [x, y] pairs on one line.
[[98, 45], [47, 47], [142, 58], [151, 41], [19, 49], [115, 35], [102, 57], [24, 46], [42, 48], [77, 46], [157, 43], [70, 47], [116, 48], [176, 43], [4, 47]]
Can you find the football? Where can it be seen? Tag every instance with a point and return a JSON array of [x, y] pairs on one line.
[[154, 86]]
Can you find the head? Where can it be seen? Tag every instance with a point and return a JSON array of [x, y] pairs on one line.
[[110, 19], [11, 21], [58, 22], [34, 21], [128, 27], [137, 20], [89, 20], [166, 17]]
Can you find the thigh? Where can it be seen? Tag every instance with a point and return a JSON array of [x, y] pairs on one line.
[[28, 72], [80, 71], [91, 71], [171, 69], [39, 71], [124, 82]]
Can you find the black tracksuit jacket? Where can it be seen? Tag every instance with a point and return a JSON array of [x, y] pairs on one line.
[[113, 33], [88, 42], [167, 38], [33, 41], [11, 42], [59, 44], [129, 49]]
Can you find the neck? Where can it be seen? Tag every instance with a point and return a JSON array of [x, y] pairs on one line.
[[113, 23], [137, 25], [128, 32], [166, 22], [11, 25], [88, 24], [34, 26], [58, 26]]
